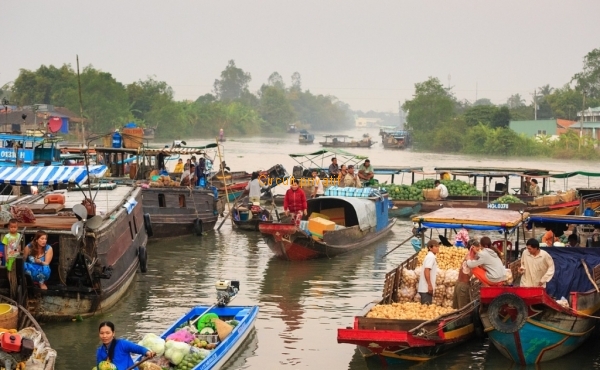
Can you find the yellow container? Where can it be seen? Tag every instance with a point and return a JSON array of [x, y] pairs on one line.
[[5, 308], [317, 227], [336, 215]]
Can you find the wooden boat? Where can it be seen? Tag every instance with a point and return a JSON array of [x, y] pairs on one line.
[[528, 325], [396, 140], [247, 216], [227, 346], [31, 148], [149, 133], [405, 211], [44, 356], [91, 271], [180, 210], [291, 129], [393, 342], [305, 137], [339, 141], [358, 223], [396, 341]]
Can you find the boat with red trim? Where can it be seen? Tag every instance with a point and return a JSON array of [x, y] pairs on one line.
[[354, 223], [528, 324]]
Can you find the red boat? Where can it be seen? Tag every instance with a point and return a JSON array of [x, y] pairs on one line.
[[359, 223]]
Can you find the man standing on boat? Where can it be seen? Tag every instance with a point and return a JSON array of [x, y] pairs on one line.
[[334, 170], [254, 187], [442, 188], [428, 273], [537, 266], [365, 173], [318, 190]]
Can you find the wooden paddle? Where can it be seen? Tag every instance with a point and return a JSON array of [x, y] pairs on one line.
[[409, 238], [144, 359]]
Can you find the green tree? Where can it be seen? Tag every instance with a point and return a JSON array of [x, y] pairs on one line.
[[276, 81], [234, 81], [432, 104], [275, 109], [296, 82], [588, 80], [144, 96], [501, 117], [483, 101], [565, 102], [515, 101], [480, 114]]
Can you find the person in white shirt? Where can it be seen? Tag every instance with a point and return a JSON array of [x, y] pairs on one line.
[[317, 186], [188, 177], [254, 187], [537, 266], [428, 273], [443, 189]]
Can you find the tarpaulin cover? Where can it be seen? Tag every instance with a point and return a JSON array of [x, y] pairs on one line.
[[49, 175], [569, 274]]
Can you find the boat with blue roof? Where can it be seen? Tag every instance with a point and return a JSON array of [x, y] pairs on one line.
[[342, 221], [31, 149]]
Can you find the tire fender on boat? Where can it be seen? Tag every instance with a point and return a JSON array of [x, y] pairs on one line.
[[508, 313], [143, 257], [198, 228], [148, 224]]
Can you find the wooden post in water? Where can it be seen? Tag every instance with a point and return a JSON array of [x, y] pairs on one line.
[[225, 184]]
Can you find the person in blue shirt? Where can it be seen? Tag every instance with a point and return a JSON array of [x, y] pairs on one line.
[[117, 351]]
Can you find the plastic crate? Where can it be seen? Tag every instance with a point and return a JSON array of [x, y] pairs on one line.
[[209, 338]]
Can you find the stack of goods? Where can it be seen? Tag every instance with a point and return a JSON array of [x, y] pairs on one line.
[[507, 199], [408, 311], [408, 286], [448, 258], [163, 181], [187, 346]]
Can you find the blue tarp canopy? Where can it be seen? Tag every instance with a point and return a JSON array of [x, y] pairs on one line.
[[48, 175], [569, 275], [558, 219]]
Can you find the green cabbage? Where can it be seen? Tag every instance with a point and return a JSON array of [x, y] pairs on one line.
[[154, 343], [176, 351]]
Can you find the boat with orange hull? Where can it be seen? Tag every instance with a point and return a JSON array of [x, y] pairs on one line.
[[359, 222]]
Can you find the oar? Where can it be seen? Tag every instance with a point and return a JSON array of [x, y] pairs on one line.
[[409, 238], [275, 207], [144, 359]]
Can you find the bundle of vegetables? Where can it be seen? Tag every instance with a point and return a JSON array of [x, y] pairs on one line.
[[154, 343], [447, 258], [450, 280], [191, 360], [408, 311], [508, 199]]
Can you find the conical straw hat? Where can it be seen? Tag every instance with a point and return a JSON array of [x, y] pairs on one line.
[[223, 329]]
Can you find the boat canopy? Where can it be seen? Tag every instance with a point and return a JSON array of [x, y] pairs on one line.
[[493, 171], [357, 211], [329, 153], [564, 219], [475, 219], [186, 150], [49, 175], [576, 173]]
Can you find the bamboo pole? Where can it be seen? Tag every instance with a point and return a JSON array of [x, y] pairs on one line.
[[225, 183]]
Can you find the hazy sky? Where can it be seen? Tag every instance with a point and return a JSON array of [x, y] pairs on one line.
[[368, 54]]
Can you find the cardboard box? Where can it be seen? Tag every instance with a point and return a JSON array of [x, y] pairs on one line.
[[336, 215], [317, 214], [317, 227]]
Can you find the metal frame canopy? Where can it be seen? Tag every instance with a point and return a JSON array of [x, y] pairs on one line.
[[49, 175], [493, 171], [182, 150], [561, 219], [476, 219], [311, 159]]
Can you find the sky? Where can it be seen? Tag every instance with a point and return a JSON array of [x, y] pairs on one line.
[[368, 54]]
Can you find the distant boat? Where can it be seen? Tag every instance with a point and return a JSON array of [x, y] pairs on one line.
[[305, 137], [291, 129], [404, 211], [396, 139], [149, 133], [339, 141]]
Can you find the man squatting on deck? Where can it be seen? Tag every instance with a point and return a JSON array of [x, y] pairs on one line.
[[428, 273]]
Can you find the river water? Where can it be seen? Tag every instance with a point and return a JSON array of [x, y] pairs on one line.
[[301, 304]]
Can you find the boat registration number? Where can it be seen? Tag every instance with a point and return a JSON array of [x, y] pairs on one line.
[[497, 206]]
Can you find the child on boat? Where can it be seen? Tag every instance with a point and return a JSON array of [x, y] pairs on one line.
[[12, 247]]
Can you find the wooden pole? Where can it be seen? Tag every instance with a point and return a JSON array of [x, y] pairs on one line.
[[225, 183], [80, 104]]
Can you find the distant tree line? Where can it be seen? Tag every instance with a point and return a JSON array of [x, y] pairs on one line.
[[441, 123], [109, 104]]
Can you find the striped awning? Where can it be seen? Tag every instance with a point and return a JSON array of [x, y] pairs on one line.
[[48, 175], [183, 150]]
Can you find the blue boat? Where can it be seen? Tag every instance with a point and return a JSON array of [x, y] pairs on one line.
[[30, 149], [224, 350], [528, 325]]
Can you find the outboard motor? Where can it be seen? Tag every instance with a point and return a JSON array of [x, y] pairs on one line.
[[297, 172], [14, 349]]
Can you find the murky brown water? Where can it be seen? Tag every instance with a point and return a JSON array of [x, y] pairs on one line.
[[301, 304]]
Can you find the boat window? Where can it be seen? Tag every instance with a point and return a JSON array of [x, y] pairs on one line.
[[131, 230], [28, 144], [161, 200], [135, 225], [182, 201]]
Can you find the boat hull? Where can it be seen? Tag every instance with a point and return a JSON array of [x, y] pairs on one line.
[[361, 144], [288, 242], [174, 210], [549, 332], [246, 315]]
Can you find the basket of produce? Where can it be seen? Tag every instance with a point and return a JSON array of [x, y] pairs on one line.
[[431, 194], [9, 316]]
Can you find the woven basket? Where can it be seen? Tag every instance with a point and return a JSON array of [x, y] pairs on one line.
[[431, 194], [10, 320]]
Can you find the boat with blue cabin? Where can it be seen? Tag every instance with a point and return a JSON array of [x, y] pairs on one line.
[[535, 324], [305, 137], [31, 149], [344, 220]]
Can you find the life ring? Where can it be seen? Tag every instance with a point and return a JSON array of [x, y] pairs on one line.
[[143, 257], [148, 224], [198, 228], [507, 313]]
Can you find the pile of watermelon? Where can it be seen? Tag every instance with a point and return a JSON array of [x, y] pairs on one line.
[[415, 192]]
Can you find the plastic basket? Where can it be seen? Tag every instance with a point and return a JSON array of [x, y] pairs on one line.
[[209, 338]]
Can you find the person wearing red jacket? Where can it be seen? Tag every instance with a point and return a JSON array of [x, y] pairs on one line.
[[295, 200]]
